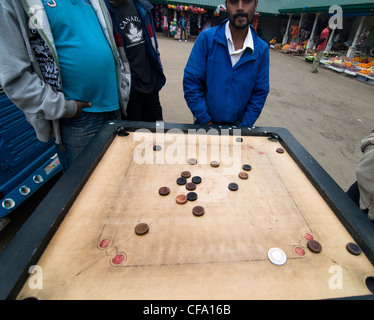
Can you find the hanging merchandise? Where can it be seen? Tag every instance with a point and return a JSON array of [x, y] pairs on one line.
[[165, 23], [199, 21], [157, 16], [363, 36], [173, 25], [187, 8], [295, 33], [255, 20], [189, 24]]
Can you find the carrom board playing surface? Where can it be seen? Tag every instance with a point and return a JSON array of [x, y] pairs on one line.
[[223, 253]]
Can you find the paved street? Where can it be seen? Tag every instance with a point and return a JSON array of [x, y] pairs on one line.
[[328, 113]]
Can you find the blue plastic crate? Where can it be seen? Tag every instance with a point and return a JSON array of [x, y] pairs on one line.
[[25, 162]]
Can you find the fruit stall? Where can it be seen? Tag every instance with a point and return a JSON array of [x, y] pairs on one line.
[[360, 67]]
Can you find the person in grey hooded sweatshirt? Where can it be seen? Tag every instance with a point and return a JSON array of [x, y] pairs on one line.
[[362, 191], [60, 65]]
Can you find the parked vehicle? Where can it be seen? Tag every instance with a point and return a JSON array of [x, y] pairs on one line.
[[25, 162]]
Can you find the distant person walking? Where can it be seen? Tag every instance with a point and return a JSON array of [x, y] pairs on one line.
[[182, 23], [321, 46]]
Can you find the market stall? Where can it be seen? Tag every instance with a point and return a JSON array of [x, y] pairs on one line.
[[185, 12], [351, 32], [297, 45], [198, 17], [360, 67]]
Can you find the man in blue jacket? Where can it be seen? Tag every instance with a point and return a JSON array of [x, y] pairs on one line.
[[226, 79], [135, 32]]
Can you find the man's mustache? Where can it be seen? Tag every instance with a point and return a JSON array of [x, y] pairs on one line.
[[240, 15]]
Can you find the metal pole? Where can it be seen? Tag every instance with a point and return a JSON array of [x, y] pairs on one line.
[[352, 49], [285, 37], [310, 41]]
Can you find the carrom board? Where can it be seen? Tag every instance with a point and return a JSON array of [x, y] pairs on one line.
[[93, 252]]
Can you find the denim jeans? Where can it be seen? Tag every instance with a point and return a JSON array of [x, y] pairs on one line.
[[76, 133]]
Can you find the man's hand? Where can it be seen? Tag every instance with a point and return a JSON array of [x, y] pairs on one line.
[[80, 106]]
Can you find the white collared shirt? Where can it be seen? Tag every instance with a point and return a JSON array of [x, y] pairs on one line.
[[248, 43]]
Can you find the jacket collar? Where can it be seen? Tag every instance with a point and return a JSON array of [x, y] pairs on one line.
[[248, 41], [248, 55], [145, 4], [221, 37]]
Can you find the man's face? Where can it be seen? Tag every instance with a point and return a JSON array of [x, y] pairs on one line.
[[241, 12]]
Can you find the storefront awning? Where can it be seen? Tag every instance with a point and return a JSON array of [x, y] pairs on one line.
[[265, 7], [313, 6], [206, 4], [271, 7]]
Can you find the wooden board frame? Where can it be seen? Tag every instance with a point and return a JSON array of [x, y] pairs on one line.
[[28, 245]]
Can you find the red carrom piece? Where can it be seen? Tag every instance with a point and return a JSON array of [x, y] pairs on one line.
[[307, 236], [181, 199], [299, 251], [118, 259], [105, 243]]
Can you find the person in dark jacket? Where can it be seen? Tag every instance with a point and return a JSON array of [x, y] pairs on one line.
[[226, 79], [134, 28]]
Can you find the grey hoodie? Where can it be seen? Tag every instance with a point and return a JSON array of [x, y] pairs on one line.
[[25, 35], [365, 175]]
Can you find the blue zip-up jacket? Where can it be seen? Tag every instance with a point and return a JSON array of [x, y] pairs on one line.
[[215, 91], [145, 12]]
